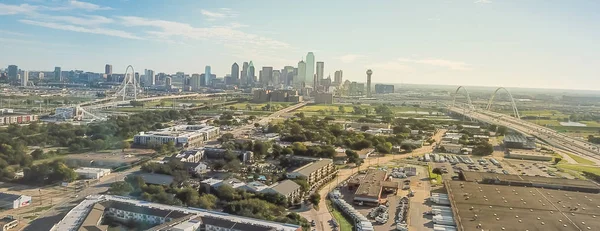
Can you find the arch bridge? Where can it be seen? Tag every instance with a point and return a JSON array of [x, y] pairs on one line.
[[490, 102]]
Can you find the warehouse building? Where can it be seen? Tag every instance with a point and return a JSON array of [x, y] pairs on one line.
[[479, 207], [92, 173], [528, 155], [531, 181], [519, 141], [12, 201]]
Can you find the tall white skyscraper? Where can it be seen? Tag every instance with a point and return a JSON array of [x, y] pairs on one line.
[[208, 76], [150, 79], [25, 78], [195, 82], [320, 74], [310, 69], [301, 77]]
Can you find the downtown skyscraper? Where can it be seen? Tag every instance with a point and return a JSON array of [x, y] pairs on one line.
[[320, 74], [338, 77], [108, 69], [310, 69], [58, 74], [244, 74], [235, 73], [300, 79], [251, 73], [208, 75]]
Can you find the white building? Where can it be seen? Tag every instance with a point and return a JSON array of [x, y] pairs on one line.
[[92, 173], [65, 112], [180, 135], [12, 201]]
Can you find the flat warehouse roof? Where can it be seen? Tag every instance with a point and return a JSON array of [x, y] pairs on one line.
[[479, 176], [521, 208]]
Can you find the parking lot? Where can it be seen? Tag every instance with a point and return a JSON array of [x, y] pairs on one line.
[[451, 165]]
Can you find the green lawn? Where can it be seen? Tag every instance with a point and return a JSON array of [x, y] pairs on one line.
[[581, 160], [579, 168], [343, 223]]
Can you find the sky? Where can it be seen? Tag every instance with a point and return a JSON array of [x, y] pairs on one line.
[[508, 43]]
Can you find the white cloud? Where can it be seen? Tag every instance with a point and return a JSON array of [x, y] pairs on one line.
[[17, 9], [483, 1], [350, 58], [452, 65], [86, 6], [88, 20], [102, 31], [224, 35], [6, 32], [220, 13]]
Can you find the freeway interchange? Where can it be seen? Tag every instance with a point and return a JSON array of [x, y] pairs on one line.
[[551, 137]]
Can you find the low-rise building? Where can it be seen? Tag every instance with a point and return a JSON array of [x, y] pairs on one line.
[[315, 173], [219, 153], [192, 156], [12, 201], [370, 186], [528, 155], [287, 188], [17, 119], [156, 179], [180, 135], [324, 98], [92, 173], [89, 213], [452, 148], [519, 141]]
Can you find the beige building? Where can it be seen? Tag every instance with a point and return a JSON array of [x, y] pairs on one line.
[[287, 188], [315, 173], [324, 98]]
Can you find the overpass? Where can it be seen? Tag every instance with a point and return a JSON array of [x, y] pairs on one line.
[[547, 135]]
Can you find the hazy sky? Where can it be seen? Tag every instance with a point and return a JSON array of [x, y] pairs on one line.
[[525, 43]]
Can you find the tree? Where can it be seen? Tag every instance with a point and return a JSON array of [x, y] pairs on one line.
[[437, 171], [121, 188], [502, 130], [124, 145], [37, 154], [256, 125], [207, 201], [226, 137], [483, 149], [315, 198], [364, 128], [226, 193], [342, 109], [557, 160], [303, 184]]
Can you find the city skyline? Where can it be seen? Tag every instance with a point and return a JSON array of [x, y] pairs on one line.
[[470, 43]]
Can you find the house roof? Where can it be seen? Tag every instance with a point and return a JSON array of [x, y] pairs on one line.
[[285, 187], [9, 197]]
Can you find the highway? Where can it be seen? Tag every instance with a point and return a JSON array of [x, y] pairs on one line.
[[557, 140]]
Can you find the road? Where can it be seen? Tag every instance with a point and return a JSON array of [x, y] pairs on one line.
[[265, 120], [557, 140], [322, 216]]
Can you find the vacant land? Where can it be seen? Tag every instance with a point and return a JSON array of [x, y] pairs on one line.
[[580, 160], [343, 223]]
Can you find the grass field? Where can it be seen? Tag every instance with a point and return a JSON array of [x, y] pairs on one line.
[[579, 168], [581, 160], [257, 106], [343, 223]]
